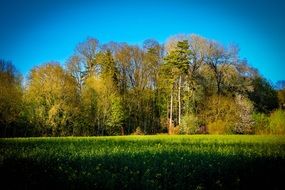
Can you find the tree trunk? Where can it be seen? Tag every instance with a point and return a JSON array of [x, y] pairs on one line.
[[171, 106], [168, 107], [179, 101]]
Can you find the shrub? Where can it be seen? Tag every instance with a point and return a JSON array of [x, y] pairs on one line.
[[243, 122], [218, 127], [219, 108], [189, 124], [138, 131], [235, 113], [277, 122], [173, 130], [263, 96], [261, 123]]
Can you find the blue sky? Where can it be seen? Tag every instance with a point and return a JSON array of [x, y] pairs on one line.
[[33, 31]]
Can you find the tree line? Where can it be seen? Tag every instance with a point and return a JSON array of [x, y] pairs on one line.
[[188, 85]]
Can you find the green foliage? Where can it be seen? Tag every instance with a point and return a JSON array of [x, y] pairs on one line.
[[177, 60], [220, 108], [273, 123], [261, 123], [10, 97], [143, 162], [110, 89], [51, 99], [263, 96], [138, 131], [277, 122], [281, 98], [189, 124], [117, 115], [234, 116], [218, 127]]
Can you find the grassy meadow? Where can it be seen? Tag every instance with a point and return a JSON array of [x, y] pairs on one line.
[[144, 162]]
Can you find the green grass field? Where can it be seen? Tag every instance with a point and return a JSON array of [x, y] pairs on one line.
[[144, 162]]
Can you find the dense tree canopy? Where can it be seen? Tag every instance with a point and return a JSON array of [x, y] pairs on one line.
[[263, 96], [10, 96], [188, 85], [51, 99]]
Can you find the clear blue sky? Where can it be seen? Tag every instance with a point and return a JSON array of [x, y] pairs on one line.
[[34, 31]]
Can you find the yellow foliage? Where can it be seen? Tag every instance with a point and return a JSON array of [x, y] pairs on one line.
[[173, 130], [234, 115], [218, 127], [277, 122]]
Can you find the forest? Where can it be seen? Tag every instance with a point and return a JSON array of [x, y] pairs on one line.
[[188, 85]]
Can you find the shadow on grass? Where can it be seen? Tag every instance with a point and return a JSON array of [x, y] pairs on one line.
[[165, 170]]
